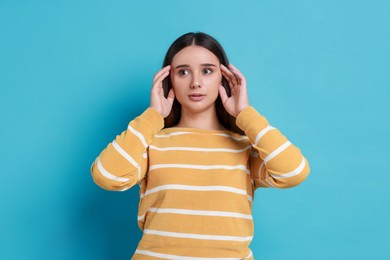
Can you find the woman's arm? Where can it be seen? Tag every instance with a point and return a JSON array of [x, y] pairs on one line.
[[275, 161], [123, 163]]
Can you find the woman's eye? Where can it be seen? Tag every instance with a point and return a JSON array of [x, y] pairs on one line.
[[207, 71], [183, 72]]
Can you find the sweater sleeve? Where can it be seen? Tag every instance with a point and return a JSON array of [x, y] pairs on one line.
[[275, 161], [123, 163]]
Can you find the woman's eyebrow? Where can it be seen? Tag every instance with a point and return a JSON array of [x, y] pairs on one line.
[[182, 66], [203, 65], [208, 65]]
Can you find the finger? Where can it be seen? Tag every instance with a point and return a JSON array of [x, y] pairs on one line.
[[242, 80], [227, 75], [226, 70], [223, 94], [223, 67], [228, 78], [161, 72], [158, 86], [158, 81], [236, 80], [231, 75], [238, 73], [171, 96]]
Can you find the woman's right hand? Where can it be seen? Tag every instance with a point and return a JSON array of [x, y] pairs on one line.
[[157, 100]]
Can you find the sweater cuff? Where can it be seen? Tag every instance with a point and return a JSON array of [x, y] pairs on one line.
[[251, 122], [154, 119]]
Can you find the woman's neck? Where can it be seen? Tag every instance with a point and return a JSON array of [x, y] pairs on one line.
[[207, 120]]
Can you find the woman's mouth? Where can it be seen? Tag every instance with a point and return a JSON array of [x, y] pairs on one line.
[[196, 97]]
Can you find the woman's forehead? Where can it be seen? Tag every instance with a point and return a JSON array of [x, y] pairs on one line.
[[194, 55]]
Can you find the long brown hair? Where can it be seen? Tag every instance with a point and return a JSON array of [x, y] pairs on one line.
[[211, 44]]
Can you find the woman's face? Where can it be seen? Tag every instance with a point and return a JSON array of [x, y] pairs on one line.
[[196, 77]]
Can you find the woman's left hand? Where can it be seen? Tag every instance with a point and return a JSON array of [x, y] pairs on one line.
[[239, 95]]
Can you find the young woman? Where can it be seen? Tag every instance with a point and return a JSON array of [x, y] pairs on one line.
[[198, 154]]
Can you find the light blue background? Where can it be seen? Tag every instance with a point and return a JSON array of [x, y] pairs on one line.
[[74, 73]]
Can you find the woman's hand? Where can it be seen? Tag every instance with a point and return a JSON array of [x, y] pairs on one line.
[[239, 95], [157, 100]]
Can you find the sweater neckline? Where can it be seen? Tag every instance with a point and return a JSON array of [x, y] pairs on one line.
[[197, 130]]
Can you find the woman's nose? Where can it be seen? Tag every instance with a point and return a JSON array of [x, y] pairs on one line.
[[195, 82]]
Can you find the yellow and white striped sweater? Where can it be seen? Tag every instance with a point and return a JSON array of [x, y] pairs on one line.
[[197, 186]]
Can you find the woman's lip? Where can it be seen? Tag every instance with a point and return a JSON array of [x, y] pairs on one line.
[[196, 97]]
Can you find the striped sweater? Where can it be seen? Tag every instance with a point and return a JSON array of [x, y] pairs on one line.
[[197, 186]]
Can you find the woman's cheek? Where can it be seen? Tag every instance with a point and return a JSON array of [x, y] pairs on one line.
[[215, 81], [177, 82]]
